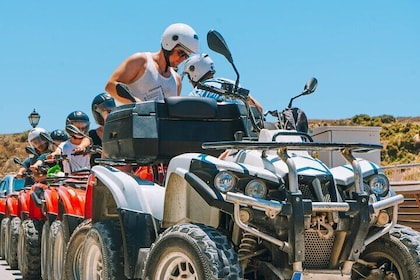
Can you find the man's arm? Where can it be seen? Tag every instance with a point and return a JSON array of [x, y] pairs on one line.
[[129, 71]]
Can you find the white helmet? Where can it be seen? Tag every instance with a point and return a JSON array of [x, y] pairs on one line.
[[34, 138], [198, 67], [180, 34]]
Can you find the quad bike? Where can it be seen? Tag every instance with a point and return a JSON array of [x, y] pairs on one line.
[[8, 185], [63, 204], [24, 234], [268, 210]]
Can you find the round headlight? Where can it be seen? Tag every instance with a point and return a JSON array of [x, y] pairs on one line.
[[256, 189], [224, 181], [379, 185]]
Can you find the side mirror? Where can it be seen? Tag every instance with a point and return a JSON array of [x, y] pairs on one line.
[[124, 91], [17, 161], [31, 151], [310, 86], [216, 43]]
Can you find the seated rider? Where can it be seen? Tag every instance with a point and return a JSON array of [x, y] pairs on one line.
[[102, 105], [58, 136], [40, 146], [199, 68], [72, 149]]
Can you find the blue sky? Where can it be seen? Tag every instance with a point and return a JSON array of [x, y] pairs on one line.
[[57, 55]]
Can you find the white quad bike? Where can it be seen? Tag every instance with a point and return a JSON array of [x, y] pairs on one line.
[[267, 210]]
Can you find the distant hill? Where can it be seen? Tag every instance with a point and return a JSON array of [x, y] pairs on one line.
[[400, 137]]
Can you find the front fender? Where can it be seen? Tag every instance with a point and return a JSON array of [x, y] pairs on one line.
[[190, 199], [12, 206], [73, 200]]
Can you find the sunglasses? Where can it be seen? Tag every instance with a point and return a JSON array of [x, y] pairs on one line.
[[182, 53]]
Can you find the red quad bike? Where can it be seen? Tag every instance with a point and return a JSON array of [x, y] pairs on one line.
[[64, 206], [8, 185], [19, 208], [268, 210], [11, 229]]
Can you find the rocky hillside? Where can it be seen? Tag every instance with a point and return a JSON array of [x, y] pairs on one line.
[[400, 137]]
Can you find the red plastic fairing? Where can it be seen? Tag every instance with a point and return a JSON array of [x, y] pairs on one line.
[[73, 200], [2, 206], [51, 201], [12, 205]]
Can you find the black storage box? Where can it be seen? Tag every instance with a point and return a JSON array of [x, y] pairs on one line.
[[156, 131]]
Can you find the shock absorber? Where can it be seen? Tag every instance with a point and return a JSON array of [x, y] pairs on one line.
[[247, 248]]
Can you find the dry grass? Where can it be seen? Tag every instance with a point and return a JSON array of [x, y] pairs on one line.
[[12, 145]]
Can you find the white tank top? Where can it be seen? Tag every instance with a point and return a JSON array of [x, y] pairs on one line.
[[152, 85]]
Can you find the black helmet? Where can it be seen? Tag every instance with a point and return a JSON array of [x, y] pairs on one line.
[[100, 103], [78, 117], [59, 135]]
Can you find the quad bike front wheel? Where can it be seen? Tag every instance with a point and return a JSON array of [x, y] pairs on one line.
[[386, 258], [192, 251], [29, 249], [73, 257], [12, 236], [3, 228], [45, 253], [58, 239], [102, 257]]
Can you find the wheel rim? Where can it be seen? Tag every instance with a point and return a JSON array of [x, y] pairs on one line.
[[176, 265], [94, 262], [59, 255], [77, 262]]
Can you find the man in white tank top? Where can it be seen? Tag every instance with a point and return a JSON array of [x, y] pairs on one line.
[[150, 76]]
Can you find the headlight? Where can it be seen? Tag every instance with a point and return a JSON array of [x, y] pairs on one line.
[[256, 189], [224, 181], [379, 185]]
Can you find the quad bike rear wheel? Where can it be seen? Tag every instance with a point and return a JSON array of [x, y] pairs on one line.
[[58, 241], [102, 256], [12, 236], [192, 251], [29, 249], [74, 251], [386, 258]]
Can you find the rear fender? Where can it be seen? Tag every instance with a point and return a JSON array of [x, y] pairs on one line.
[[115, 190]]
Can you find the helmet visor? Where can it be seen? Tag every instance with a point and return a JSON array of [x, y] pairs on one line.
[[107, 105], [37, 142], [82, 126]]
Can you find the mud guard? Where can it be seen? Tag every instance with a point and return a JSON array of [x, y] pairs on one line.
[[186, 192]]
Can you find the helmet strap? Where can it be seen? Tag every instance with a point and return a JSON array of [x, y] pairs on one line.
[[166, 54]]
